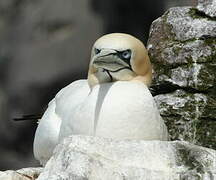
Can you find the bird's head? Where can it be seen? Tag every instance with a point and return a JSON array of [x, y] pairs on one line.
[[119, 57]]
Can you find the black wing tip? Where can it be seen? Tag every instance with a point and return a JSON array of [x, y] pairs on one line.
[[29, 117]]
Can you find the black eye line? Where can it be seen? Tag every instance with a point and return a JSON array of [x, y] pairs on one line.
[[128, 50], [97, 51], [108, 55]]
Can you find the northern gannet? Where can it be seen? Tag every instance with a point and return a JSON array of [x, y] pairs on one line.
[[114, 101]]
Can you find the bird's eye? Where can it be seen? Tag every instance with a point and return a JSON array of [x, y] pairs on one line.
[[126, 54], [97, 51]]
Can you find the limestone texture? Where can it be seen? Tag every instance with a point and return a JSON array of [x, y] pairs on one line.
[[208, 7], [21, 174], [182, 48], [95, 158]]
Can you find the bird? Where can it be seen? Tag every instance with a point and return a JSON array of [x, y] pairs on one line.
[[113, 102]]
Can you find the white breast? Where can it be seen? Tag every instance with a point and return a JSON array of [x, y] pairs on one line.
[[129, 112], [120, 110]]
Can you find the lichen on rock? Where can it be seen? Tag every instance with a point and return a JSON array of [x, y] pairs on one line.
[[208, 7], [182, 48], [185, 116]]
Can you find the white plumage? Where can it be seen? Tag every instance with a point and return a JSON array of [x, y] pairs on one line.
[[114, 102], [59, 109]]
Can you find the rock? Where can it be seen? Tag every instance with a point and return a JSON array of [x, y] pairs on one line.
[[186, 117], [85, 157], [182, 48], [181, 43], [208, 7], [21, 174]]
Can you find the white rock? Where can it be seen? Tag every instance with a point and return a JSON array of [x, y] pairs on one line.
[[95, 158], [208, 7], [21, 174], [185, 27]]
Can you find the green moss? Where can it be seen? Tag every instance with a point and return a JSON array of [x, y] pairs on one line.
[[184, 122], [167, 28], [210, 109], [209, 40], [206, 77], [206, 130], [152, 58], [176, 50], [188, 159], [188, 40], [196, 14]]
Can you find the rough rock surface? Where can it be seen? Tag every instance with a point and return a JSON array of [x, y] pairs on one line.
[[85, 157], [182, 47], [207, 6], [21, 174]]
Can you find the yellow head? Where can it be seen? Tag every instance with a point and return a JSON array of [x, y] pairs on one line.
[[119, 57]]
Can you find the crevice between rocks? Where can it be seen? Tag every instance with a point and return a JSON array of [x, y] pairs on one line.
[[167, 88], [205, 37], [209, 119], [196, 14]]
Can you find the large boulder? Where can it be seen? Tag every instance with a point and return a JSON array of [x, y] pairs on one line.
[[85, 157], [182, 47]]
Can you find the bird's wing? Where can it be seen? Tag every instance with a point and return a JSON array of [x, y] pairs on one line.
[[67, 102], [46, 136], [47, 133], [71, 96]]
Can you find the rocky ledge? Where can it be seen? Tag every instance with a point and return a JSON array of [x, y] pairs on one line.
[[84, 157], [96, 158]]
